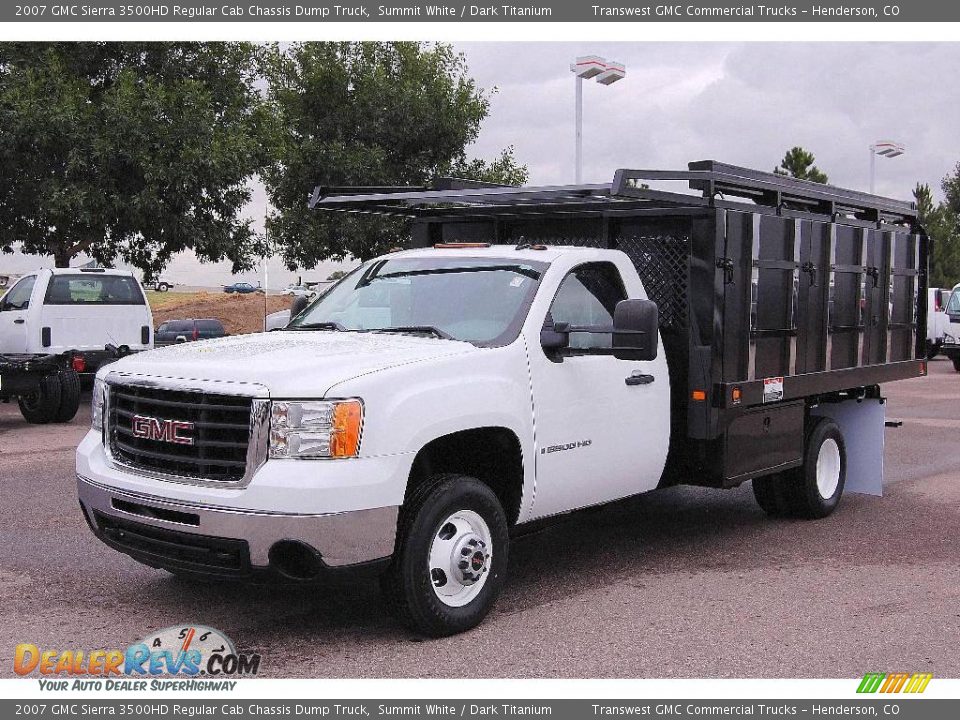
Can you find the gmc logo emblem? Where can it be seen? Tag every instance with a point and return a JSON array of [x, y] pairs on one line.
[[171, 431]]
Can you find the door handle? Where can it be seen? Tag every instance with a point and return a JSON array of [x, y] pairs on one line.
[[639, 379], [18, 321]]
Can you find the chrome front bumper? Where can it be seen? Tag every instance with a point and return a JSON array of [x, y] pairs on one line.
[[341, 539]]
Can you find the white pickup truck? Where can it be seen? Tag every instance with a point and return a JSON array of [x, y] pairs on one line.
[[438, 400]]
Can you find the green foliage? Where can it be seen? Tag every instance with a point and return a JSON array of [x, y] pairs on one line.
[[942, 223], [370, 113], [798, 163], [503, 171], [131, 150]]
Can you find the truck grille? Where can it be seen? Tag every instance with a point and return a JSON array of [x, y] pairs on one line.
[[186, 433]]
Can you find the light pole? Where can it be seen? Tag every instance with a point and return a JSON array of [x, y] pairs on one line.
[[606, 72], [884, 148]]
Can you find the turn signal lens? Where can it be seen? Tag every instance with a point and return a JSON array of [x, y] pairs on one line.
[[345, 435], [699, 395]]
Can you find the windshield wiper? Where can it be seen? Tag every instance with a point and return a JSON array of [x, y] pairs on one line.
[[319, 326], [417, 329]]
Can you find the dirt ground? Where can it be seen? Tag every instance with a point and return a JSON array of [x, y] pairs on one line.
[[239, 313]]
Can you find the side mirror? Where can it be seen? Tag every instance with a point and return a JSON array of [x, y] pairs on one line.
[[298, 305], [635, 330]]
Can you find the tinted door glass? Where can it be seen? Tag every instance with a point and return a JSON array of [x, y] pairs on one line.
[[19, 296], [588, 296], [210, 328]]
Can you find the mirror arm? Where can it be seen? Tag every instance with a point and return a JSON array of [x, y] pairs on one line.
[[595, 329]]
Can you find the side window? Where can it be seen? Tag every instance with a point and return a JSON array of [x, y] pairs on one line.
[[18, 298], [588, 296]]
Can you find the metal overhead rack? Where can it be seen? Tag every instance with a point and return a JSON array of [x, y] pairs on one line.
[[714, 181]]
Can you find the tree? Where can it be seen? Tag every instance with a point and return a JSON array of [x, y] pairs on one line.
[[942, 224], [370, 113], [129, 150], [798, 163]]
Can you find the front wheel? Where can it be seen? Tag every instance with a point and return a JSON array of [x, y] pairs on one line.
[[451, 556]]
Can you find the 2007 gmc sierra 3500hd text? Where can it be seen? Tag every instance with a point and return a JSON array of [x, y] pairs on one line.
[[542, 350]]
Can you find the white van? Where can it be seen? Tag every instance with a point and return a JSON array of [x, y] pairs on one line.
[[77, 311]]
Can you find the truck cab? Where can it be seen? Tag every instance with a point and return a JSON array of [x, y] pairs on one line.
[[541, 351], [78, 311], [950, 337]]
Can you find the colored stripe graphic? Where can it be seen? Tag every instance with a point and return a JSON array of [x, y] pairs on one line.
[[918, 683], [870, 682], [894, 682]]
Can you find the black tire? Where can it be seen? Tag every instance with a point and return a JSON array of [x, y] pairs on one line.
[[163, 287], [804, 496], [956, 362], [771, 496], [933, 349], [408, 585], [41, 406], [69, 396]]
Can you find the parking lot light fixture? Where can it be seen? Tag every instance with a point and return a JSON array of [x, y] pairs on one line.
[[883, 148], [606, 72]]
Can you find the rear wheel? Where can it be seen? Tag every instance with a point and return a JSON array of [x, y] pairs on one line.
[[771, 497], [163, 287], [956, 362], [812, 490], [933, 349], [451, 556], [41, 406], [69, 396]]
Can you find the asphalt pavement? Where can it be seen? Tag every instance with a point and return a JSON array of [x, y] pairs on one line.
[[684, 582]]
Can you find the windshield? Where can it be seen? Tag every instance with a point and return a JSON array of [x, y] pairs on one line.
[[479, 300], [953, 304]]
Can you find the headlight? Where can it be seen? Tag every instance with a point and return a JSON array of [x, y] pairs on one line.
[[329, 429], [96, 404]]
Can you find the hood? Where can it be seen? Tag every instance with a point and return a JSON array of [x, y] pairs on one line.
[[302, 363]]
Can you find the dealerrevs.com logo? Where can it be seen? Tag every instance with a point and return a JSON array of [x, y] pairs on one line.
[[188, 651], [894, 682]]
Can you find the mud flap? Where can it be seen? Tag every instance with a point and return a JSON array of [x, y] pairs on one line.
[[862, 424]]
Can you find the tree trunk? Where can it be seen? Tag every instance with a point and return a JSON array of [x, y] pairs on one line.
[[62, 257]]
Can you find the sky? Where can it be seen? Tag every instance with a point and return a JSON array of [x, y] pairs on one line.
[[740, 103]]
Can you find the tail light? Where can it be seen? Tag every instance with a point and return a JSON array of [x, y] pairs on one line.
[[196, 333], [78, 363]]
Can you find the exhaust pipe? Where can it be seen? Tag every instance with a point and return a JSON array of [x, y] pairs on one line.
[[295, 560]]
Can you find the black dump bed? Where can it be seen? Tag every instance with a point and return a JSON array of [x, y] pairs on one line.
[[769, 289]]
